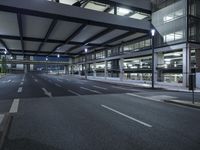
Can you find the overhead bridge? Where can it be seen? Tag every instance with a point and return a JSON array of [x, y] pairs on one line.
[[34, 62]]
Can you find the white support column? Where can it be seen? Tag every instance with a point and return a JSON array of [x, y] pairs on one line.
[[25, 68], [79, 70], [121, 68], [94, 71], [65, 69], [106, 70], [159, 61], [186, 66]]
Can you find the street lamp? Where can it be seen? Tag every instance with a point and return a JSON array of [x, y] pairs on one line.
[[58, 56], [46, 65], [5, 52], [153, 31], [85, 50]]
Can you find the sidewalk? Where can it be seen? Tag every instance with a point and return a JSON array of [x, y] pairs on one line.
[[167, 86]]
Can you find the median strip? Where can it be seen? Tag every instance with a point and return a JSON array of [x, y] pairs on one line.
[[129, 117]]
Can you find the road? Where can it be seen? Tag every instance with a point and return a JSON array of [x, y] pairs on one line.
[[69, 113]]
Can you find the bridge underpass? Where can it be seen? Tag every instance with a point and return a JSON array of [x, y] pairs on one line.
[[64, 110]]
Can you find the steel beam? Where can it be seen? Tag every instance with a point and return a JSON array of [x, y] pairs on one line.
[[51, 27], [19, 20]]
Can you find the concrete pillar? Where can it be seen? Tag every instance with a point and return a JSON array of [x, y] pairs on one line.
[[94, 71], [106, 70], [197, 53], [79, 70], [121, 68], [65, 69], [158, 63], [25, 68], [186, 66]]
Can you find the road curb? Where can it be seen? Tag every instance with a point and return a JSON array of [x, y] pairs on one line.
[[4, 128], [182, 103]]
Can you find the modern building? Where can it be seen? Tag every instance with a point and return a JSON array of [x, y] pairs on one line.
[[109, 38], [176, 45]]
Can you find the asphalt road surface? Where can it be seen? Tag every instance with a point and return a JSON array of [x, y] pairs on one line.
[[70, 113]]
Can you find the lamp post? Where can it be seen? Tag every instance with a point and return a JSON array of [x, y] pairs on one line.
[[46, 65], [58, 56], [5, 52], [85, 50], [153, 31]]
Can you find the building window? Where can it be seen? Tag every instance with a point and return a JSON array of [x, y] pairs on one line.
[[178, 35]]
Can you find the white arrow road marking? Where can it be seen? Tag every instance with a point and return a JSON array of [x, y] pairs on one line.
[[1, 117], [20, 89], [129, 117], [91, 90], [98, 87], [14, 106], [47, 93]]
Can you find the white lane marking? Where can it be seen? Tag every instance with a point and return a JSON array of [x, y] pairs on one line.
[[1, 117], [14, 106], [94, 91], [35, 80], [59, 80], [121, 88], [74, 92], [21, 83], [99, 87], [9, 80], [22, 80], [20, 89], [47, 93], [58, 85], [143, 97], [129, 117]]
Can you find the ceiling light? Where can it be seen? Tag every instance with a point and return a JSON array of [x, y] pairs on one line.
[[124, 11]]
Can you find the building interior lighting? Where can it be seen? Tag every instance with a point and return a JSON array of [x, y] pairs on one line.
[[124, 11]]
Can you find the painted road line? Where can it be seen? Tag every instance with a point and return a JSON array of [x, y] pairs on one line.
[[74, 92], [58, 85], [14, 106], [47, 93], [121, 88], [129, 117], [22, 83], [35, 80], [99, 87], [143, 97], [94, 91], [9, 81], [20, 89]]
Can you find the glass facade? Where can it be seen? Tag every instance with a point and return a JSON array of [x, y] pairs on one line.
[[170, 22]]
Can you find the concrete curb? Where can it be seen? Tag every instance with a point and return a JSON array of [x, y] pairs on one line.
[[4, 128], [182, 103]]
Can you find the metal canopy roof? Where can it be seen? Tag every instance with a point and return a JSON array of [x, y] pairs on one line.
[[47, 31]]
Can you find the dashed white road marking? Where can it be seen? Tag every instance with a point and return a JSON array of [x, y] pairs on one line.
[[94, 91], [35, 80], [22, 83], [14, 106], [143, 97], [47, 93], [121, 88], [99, 87], [74, 92], [58, 85], [129, 117], [20, 89], [9, 80]]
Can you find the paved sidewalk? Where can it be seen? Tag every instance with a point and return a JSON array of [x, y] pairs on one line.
[[167, 86], [184, 103]]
